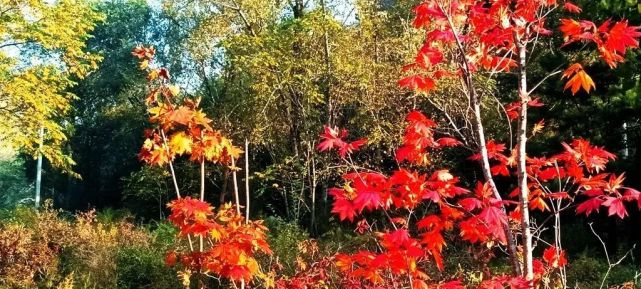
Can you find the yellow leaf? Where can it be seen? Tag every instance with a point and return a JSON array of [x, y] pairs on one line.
[[152, 75], [180, 143], [144, 64], [174, 89]]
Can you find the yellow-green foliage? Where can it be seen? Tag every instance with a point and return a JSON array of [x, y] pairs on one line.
[[42, 49], [279, 70]]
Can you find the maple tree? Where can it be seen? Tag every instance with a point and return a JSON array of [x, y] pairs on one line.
[[409, 243], [227, 241], [465, 40]]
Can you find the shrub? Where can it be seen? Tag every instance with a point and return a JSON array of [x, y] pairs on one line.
[[284, 238], [45, 248], [143, 267], [23, 258], [587, 271]]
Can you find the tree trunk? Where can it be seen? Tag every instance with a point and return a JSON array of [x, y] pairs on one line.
[[201, 241], [298, 8], [475, 103], [223, 189], [528, 272], [328, 70], [39, 167], [246, 181], [487, 174], [235, 182]]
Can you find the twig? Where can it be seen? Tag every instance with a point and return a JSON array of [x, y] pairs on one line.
[[607, 256]]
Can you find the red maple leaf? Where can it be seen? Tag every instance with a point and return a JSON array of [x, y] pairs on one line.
[[448, 142], [554, 257], [429, 56], [348, 148], [615, 207], [589, 206], [494, 218], [344, 208], [332, 138], [571, 7], [418, 83], [470, 204], [620, 36], [367, 199]]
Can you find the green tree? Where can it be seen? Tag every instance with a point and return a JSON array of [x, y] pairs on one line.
[[108, 114]]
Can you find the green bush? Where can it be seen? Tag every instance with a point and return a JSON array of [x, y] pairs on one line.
[[586, 271], [284, 238], [143, 267]]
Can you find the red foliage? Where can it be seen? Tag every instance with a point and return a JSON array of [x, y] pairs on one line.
[[183, 129], [233, 242], [333, 139], [486, 35], [554, 257], [478, 217]]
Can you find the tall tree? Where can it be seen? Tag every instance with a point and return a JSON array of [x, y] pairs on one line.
[[42, 52], [108, 116]]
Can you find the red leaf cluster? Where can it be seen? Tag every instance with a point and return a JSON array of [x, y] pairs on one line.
[[233, 242], [419, 139], [612, 38], [332, 138], [483, 35]]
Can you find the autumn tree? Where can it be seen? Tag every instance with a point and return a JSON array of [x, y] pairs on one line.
[[227, 241], [419, 204], [42, 54], [471, 40], [108, 116]]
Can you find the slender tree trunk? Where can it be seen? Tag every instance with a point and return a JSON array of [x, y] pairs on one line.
[[297, 106], [528, 272], [246, 180], [313, 184], [296, 96], [39, 167], [223, 189], [487, 175], [202, 198], [171, 164], [327, 89], [202, 179], [475, 103], [298, 8], [235, 181]]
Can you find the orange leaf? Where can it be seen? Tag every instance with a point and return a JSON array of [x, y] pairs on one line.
[[183, 115], [538, 127], [577, 79]]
